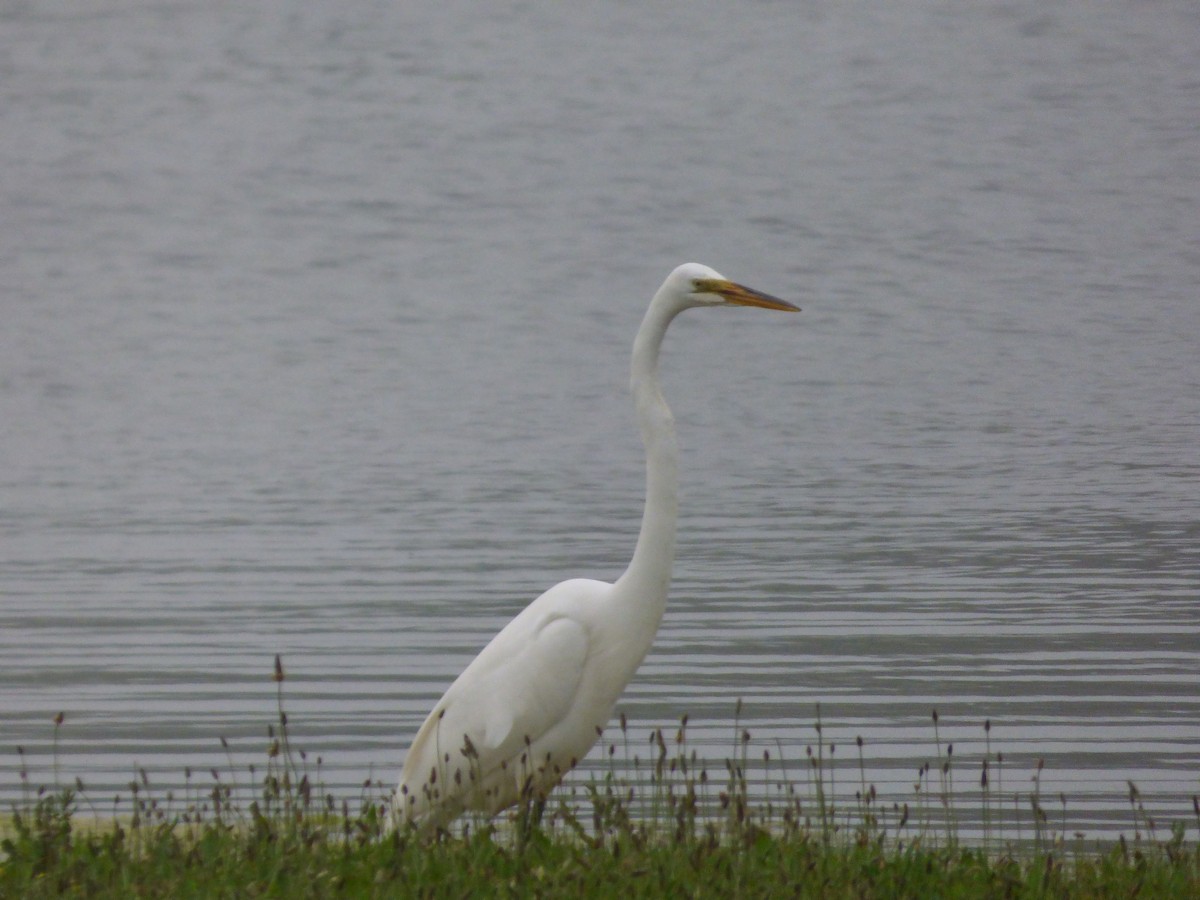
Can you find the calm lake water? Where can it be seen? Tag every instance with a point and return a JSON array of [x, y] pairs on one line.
[[316, 322]]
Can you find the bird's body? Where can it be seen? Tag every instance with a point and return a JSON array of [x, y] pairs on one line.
[[536, 698]]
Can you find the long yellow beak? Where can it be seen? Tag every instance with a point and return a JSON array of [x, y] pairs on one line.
[[740, 295]]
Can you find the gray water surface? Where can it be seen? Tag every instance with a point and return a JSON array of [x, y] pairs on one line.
[[315, 341]]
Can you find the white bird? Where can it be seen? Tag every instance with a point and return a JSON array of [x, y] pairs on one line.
[[538, 696]]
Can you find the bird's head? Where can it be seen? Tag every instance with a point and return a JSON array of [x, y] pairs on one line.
[[697, 285]]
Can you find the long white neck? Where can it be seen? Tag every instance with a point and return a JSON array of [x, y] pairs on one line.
[[648, 577]]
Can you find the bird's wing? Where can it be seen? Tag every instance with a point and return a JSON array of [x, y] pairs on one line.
[[521, 685], [535, 688]]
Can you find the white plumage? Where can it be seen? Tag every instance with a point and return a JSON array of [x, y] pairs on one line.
[[537, 697]]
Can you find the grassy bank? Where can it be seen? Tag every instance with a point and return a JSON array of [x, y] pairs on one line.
[[301, 853], [663, 827]]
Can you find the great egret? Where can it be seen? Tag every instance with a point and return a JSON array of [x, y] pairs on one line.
[[537, 697]]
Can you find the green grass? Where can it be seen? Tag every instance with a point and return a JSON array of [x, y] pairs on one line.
[[659, 827], [313, 855]]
